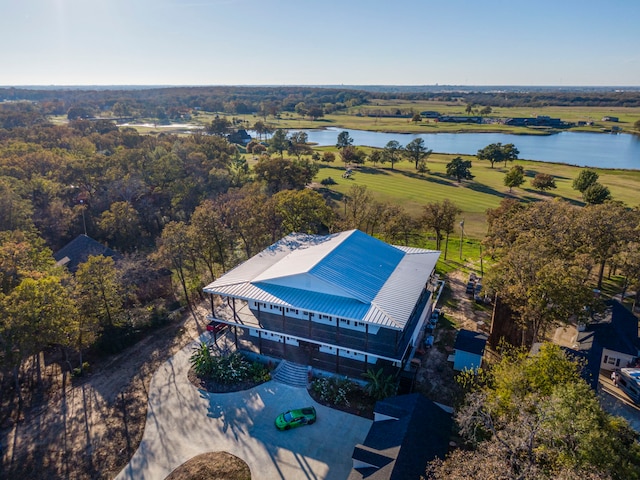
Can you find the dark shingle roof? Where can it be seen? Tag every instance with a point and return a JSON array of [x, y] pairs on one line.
[[401, 449], [472, 342], [79, 250], [616, 329]]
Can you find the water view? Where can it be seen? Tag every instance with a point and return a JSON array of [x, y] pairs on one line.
[[573, 148]]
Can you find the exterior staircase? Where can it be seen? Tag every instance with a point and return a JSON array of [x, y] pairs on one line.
[[291, 373]]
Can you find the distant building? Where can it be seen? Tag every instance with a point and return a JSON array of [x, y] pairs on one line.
[[459, 119], [539, 121], [610, 119], [408, 432], [240, 137], [79, 250]]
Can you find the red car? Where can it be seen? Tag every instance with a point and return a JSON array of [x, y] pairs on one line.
[[216, 327]]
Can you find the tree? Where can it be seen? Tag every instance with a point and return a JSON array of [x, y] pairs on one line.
[[469, 108], [328, 157], [596, 194], [460, 169], [284, 174], [440, 217], [416, 151], [543, 182], [298, 145], [301, 109], [315, 112], [209, 236], [514, 177], [98, 291], [541, 287], [584, 180], [261, 129], [219, 126], [485, 111], [344, 140], [303, 211], [175, 252], [358, 201], [533, 417], [390, 151], [348, 154], [375, 157], [121, 225], [509, 153], [279, 142], [604, 230], [496, 152], [37, 313], [636, 125], [416, 118], [398, 225]]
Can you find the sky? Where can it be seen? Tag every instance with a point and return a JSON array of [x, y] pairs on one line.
[[321, 42]]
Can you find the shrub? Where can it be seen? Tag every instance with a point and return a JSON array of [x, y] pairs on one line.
[[333, 390], [201, 360], [328, 181]]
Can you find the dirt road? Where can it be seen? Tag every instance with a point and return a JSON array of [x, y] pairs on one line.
[[89, 428]]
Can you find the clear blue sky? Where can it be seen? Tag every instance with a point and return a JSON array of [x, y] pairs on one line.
[[319, 42]]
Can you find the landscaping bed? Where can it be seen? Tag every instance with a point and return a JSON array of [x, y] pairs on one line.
[[342, 394], [225, 374]]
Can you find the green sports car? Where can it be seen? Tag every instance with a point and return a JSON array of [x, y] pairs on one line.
[[296, 418]]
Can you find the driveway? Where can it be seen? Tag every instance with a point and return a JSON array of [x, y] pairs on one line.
[[183, 422]]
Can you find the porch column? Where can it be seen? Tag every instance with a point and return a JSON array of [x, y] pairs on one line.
[[259, 319], [366, 337], [233, 308], [396, 349], [260, 341], [235, 336], [213, 312]]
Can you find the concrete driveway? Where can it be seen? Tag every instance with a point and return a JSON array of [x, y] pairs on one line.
[[183, 422]]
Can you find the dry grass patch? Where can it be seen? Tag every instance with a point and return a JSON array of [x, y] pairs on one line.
[[212, 466]]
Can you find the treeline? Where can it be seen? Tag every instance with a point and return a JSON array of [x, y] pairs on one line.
[[147, 102], [526, 99]]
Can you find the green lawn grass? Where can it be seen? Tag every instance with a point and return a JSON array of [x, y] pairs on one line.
[[405, 187]]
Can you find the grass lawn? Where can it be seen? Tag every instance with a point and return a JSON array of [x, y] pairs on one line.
[[407, 188]]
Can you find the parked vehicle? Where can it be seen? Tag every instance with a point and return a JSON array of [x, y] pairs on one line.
[[296, 418], [216, 327], [628, 379]]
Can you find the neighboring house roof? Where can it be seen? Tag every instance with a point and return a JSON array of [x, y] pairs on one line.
[[616, 329], [471, 342], [79, 250], [349, 275], [400, 447], [590, 368]]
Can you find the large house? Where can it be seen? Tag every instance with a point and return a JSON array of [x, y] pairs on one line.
[[343, 303]]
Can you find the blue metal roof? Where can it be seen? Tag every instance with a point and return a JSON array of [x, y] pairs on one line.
[[348, 275], [360, 265]]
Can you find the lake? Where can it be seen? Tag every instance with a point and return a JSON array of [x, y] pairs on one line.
[[604, 150]]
